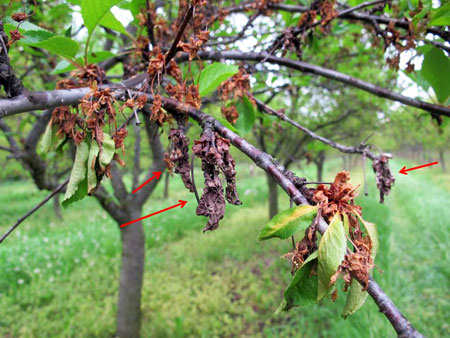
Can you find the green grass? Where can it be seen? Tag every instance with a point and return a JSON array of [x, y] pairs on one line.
[[60, 279]]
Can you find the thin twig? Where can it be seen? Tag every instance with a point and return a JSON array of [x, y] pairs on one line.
[[29, 213], [150, 32], [173, 49], [194, 187]]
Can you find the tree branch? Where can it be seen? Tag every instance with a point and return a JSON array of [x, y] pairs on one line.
[[359, 149], [29, 213]]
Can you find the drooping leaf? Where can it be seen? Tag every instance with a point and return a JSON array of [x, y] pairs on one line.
[[60, 45], [91, 174], [107, 151], [246, 118], [302, 290], [331, 253], [77, 187], [46, 141], [93, 11], [436, 71], [213, 75], [288, 222]]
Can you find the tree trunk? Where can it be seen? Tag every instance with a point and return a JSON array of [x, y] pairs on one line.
[[166, 186], [131, 276], [57, 207], [319, 163], [442, 160], [273, 196]]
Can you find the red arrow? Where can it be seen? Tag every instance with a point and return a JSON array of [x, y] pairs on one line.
[[156, 174], [182, 204], [404, 170]]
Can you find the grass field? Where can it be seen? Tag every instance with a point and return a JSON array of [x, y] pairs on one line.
[[60, 278]]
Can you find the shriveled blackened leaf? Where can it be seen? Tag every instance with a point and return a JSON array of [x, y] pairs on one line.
[[212, 203], [180, 156], [385, 179]]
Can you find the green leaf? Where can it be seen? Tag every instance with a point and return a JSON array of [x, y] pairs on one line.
[[93, 11], [46, 141], [246, 118], [288, 222], [136, 6], [213, 75], [77, 187], [95, 57], [110, 21], [107, 151], [441, 17], [331, 253], [35, 36], [59, 45], [227, 125], [302, 290], [356, 296], [91, 174], [436, 71]]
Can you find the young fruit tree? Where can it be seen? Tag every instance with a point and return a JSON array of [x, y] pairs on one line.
[[97, 91]]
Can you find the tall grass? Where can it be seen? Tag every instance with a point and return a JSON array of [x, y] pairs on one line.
[[60, 279]]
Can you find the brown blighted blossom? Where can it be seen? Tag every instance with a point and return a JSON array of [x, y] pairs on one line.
[[119, 137], [168, 162], [193, 97], [302, 249], [338, 197], [194, 45], [235, 87], [177, 92], [66, 84], [89, 74], [327, 13], [19, 17], [230, 113], [15, 36], [132, 103], [157, 113], [65, 120], [174, 71], [156, 64]]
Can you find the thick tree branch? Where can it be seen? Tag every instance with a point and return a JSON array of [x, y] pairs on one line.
[[12, 85]]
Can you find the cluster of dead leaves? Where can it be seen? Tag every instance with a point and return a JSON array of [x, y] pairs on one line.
[[235, 88], [213, 150], [179, 156], [384, 178], [338, 198], [302, 249]]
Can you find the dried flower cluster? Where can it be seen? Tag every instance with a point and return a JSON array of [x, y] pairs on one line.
[[213, 150], [338, 197], [383, 175]]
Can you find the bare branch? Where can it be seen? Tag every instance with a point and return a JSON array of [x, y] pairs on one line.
[[29, 213], [359, 149]]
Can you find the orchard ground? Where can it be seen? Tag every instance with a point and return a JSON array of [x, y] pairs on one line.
[[60, 278]]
